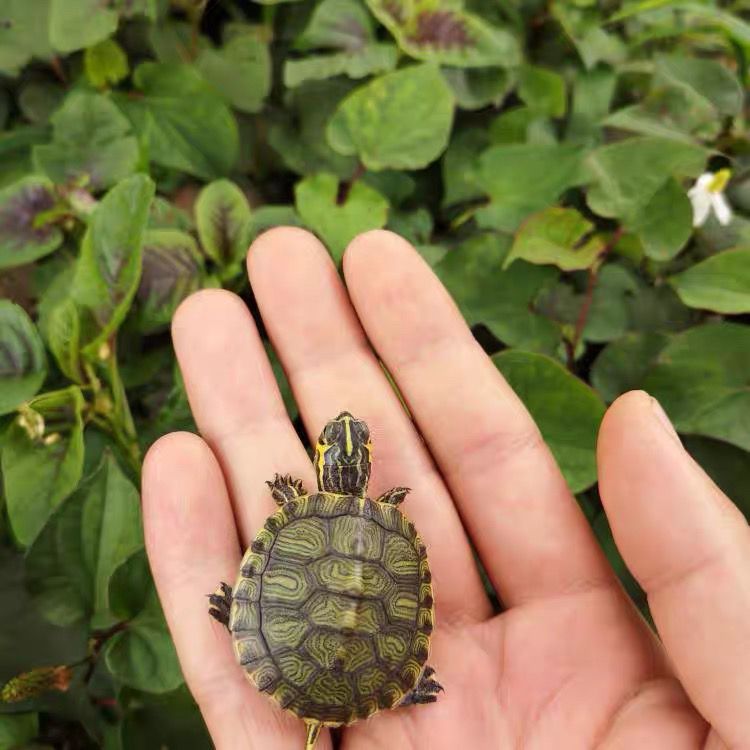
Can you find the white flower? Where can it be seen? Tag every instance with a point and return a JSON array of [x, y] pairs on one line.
[[708, 194]]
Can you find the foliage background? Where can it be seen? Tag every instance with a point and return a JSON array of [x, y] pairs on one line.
[[536, 153]]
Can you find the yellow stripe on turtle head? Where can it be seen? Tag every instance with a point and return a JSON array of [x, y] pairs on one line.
[[320, 451], [348, 431]]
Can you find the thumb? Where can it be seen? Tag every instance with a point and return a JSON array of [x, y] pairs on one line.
[[689, 547]]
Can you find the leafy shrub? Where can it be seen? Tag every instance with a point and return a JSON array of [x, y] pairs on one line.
[[538, 155]]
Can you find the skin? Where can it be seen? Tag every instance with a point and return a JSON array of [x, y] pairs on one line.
[[570, 663]]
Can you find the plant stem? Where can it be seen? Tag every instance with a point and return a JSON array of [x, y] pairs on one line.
[[346, 187], [98, 639], [588, 297], [57, 68]]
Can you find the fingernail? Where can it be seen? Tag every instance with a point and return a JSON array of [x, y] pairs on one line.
[[661, 415]]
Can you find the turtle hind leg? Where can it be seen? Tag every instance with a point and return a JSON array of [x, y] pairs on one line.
[[221, 603], [426, 690], [313, 732], [394, 496], [284, 488]]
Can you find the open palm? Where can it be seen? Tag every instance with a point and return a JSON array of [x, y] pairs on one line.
[[570, 663]]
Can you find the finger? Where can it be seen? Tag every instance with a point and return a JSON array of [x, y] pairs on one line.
[[331, 368], [689, 547], [236, 402], [527, 527], [192, 545]]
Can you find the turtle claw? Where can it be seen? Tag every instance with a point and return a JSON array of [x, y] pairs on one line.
[[394, 496], [221, 603], [284, 488], [426, 690]]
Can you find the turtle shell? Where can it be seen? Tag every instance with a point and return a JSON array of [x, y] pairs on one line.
[[332, 611]]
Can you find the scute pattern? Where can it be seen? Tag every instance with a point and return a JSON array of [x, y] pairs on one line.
[[332, 612]]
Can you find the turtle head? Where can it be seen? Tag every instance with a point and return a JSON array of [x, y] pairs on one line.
[[343, 456]]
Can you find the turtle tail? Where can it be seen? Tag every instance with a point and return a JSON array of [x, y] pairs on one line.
[[313, 732]]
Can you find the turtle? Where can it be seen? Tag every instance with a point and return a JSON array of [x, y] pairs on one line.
[[332, 611]]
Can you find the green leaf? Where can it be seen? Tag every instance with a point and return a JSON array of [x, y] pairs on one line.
[[23, 238], [181, 120], [20, 40], [170, 720], [701, 379], [38, 100], [659, 309], [622, 365], [460, 165], [63, 334], [720, 283], [345, 28], [542, 90], [93, 532], [172, 269], [475, 88], [688, 99], [222, 214], [23, 365], [106, 64], [639, 118], [75, 24], [172, 41], [240, 71], [565, 409], [42, 460], [165, 215], [336, 223], [142, 655], [557, 236], [27, 640], [441, 31], [593, 91], [627, 175], [91, 140], [501, 300], [374, 58], [109, 267], [415, 226], [130, 586], [583, 24], [614, 297], [521, 125], [337, 24], [18, 729], [665, 224], [15, 152], [523, 178], [299, 135], [400, 120], [701, 80], [266, 217]]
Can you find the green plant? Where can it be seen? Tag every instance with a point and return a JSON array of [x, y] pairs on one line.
[[538, 155]]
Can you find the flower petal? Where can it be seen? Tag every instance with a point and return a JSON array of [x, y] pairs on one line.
[[701, 201], [721, 208]]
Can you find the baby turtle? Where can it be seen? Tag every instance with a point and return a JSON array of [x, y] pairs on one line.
[[332, 612]]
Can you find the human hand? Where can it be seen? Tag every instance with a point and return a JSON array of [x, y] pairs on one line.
[[570, 663]]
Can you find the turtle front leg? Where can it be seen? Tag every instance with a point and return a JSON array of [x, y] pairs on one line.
[[426, 690], [284, 488], [313, 732], [221, 603], [394, 496]]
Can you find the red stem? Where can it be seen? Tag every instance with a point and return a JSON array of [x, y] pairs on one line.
[[588, 298], [346, 187], [57, 68]]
